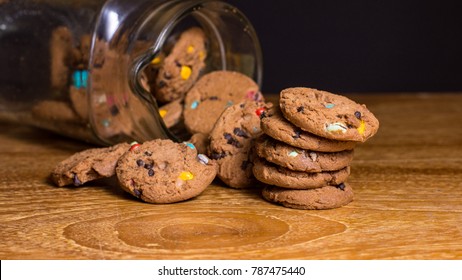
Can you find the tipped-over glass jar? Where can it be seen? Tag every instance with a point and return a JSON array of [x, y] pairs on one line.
[[93, 69]]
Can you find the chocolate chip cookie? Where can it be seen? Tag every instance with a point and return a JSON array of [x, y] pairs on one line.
[[327, 197], [299, 159], [275, 125], [162, 171], [273, 174], [231, 141], [212, 94], [88, 165], [328, 115], [182, 66]]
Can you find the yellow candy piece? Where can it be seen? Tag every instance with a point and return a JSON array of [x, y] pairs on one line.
[[156, 60], [190, 49], [162, 113], [186, 175], [362, 128], [185, 72], [201, 55]]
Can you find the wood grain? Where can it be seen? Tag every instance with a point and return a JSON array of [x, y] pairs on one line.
[[408, 201]]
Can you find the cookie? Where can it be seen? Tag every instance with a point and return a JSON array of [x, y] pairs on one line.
[[327, 197], [79, 102], [273, 174], [54, 110], [88, 165], [81, 53], [299, 159], [328, 115], [60, 57], [231, 141], [276, 126], [201, 141], [212, 94], [171, 113], [182, 66], [162, 171]]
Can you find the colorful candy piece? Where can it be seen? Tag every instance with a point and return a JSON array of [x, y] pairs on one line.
[[260, 111], [336, 127], [134, 145], [190, 145], [194, 104], [156, 60], [201, 55], [362, 128], [106, 122], [186, 176], [203, 159], [185, 72], [329, 105], [80, 78], [162, 113], [190, 49], [293, 154]]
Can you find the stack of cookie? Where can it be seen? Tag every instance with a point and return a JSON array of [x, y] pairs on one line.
[[307, 147]]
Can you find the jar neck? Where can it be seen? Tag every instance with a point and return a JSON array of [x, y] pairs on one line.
[[128, 36]]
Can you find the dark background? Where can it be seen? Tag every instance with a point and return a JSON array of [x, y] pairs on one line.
[[359, 46]]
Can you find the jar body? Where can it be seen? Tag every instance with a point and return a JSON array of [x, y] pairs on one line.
[[86, 69]]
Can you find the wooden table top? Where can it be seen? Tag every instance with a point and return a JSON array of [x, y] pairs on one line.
[[408, 201]]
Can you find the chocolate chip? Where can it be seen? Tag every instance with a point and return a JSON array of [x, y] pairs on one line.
[[148, 166], [241, 133], [263, 115], [151, 172], [341, 186], [297, 134], [161, 84], [140, 162], [137, 192], [358, 114], [232, 141], [216, 155], [300, 109], [114, 110], [76, 180], [245, 164], [148, 153]]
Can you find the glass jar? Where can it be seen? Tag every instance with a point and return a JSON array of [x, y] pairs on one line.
[[87, 68]]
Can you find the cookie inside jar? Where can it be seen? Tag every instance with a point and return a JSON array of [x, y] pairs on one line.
[[201, 42]]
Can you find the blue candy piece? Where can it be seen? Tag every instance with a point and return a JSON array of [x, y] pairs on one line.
[[84, 76], [190, 145], [106, 123], [329, 105], [194, 104], [80, 78]]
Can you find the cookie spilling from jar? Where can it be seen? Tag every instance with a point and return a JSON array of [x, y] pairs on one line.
[[157, 171], [292, 150]]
